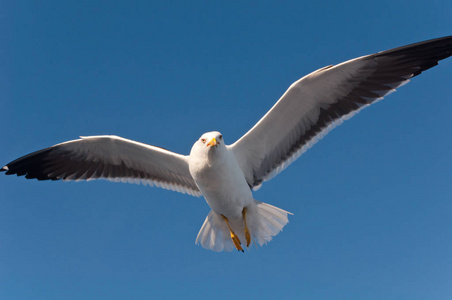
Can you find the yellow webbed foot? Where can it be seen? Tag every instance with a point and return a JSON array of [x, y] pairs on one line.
[[234, 237], [247, 232], [248, 237], [236, 241]]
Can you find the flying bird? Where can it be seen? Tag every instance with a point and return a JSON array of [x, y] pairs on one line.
[[225, 175]]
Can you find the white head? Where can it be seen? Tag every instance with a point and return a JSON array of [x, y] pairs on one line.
[[208, 144]]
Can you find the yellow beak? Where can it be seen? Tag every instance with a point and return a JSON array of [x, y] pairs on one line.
[[213, 142]]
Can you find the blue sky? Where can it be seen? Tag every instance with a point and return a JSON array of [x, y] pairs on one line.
[[372, 201]]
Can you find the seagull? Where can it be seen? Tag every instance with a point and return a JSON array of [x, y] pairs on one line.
[[225, 175]]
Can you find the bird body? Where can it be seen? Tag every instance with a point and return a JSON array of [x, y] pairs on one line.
[[219, 177], [226, 174]]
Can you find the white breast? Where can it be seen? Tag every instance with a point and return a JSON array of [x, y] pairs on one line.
[[221, 182]]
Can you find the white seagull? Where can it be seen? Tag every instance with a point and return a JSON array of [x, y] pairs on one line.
[[226, 174]]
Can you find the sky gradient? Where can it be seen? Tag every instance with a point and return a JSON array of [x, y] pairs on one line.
[[372, 201]]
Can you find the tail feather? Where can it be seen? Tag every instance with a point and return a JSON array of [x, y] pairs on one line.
[[214, 234], [264, 222], [272, 221]]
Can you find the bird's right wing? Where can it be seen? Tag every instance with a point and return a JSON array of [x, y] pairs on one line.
[[108, 157]]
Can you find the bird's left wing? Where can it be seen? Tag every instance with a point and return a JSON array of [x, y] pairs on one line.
[[321, 100], [108, 157]]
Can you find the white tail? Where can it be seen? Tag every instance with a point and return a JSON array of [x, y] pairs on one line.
[[264, 222]]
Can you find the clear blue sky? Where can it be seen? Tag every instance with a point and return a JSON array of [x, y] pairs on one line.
[[372, 201]]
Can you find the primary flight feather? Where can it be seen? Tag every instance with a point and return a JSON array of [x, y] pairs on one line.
[[226, 174]]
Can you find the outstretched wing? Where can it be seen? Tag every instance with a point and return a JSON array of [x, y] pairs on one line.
[[321, 100], [108, 157]]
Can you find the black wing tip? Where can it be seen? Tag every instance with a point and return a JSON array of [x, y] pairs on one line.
[[422, 55], [28, 166], [28, 175], [445, 41]]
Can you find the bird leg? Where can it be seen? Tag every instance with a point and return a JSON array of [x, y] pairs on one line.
[[234, 237], [247, 232]]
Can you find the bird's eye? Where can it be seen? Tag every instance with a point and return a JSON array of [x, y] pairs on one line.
[[220, 137], [203, 140]]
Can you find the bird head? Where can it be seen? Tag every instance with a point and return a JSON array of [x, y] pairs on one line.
[[208, 143]]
